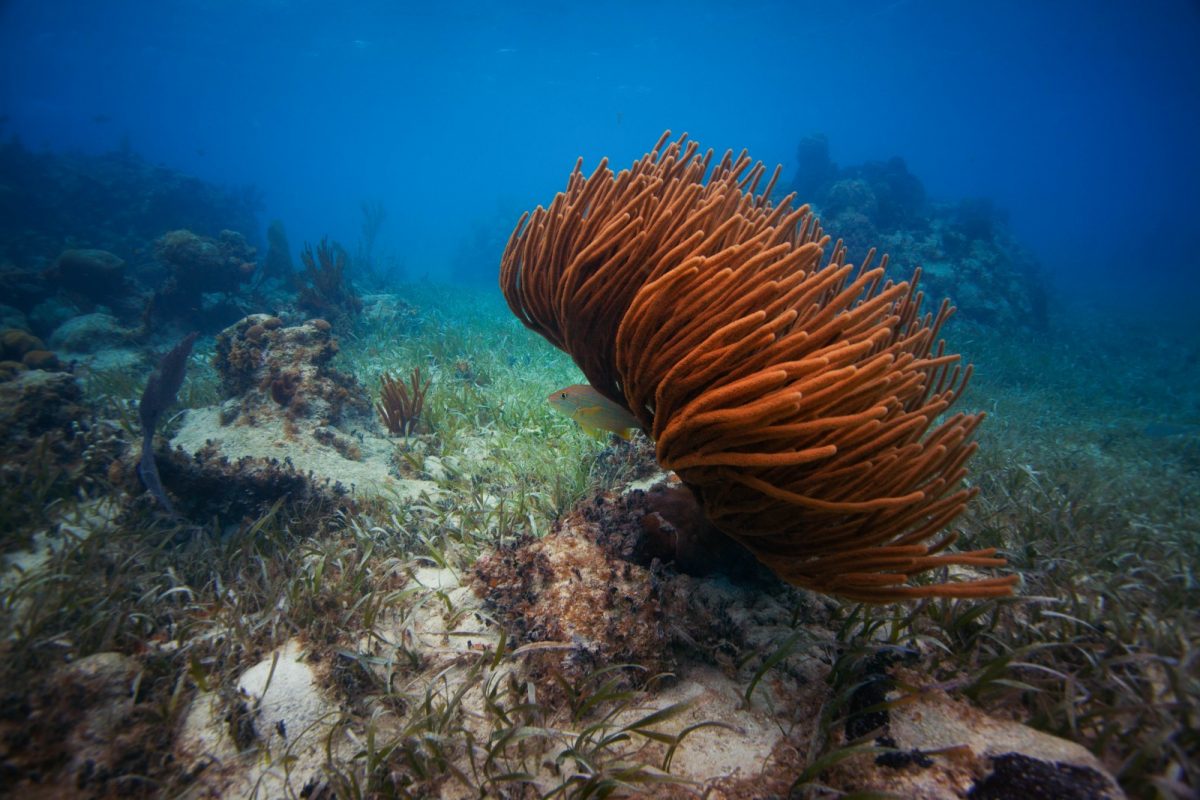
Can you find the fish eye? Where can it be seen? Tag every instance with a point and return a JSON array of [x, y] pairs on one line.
[[563, 395]]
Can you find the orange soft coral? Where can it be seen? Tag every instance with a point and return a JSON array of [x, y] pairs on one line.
[[797, 398]]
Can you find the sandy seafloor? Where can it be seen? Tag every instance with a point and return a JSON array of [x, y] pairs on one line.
[[363, 643]]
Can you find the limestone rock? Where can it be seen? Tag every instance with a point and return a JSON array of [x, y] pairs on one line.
[[269, 739], [950, 749]]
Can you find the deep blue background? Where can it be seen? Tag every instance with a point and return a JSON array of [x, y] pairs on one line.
[[1080, 117]]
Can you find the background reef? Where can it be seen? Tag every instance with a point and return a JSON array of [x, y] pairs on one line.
[[114, 201], [110, 234], [965, 248]]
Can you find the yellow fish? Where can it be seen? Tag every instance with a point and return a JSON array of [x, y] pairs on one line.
[[594, 412]]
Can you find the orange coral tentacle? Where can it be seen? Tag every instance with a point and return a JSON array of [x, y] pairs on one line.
[[797, 399]]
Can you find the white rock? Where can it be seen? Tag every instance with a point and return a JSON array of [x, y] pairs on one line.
[[284, 690]]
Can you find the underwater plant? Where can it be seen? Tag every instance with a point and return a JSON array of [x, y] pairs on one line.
[[400, 406], [160, 392], [796, 400]]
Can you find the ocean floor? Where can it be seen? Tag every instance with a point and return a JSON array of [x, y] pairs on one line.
[[472, 609]]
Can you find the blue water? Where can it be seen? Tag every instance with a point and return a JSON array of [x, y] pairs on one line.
[[1080, 118]]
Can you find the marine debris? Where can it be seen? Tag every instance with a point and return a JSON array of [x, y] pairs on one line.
[[796, 400]]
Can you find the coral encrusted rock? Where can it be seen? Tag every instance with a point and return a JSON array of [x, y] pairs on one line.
[[598, 591], [270, 370], [286, 412]]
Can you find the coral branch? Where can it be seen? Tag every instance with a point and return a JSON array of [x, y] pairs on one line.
[[323, 287], [400, 406]]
